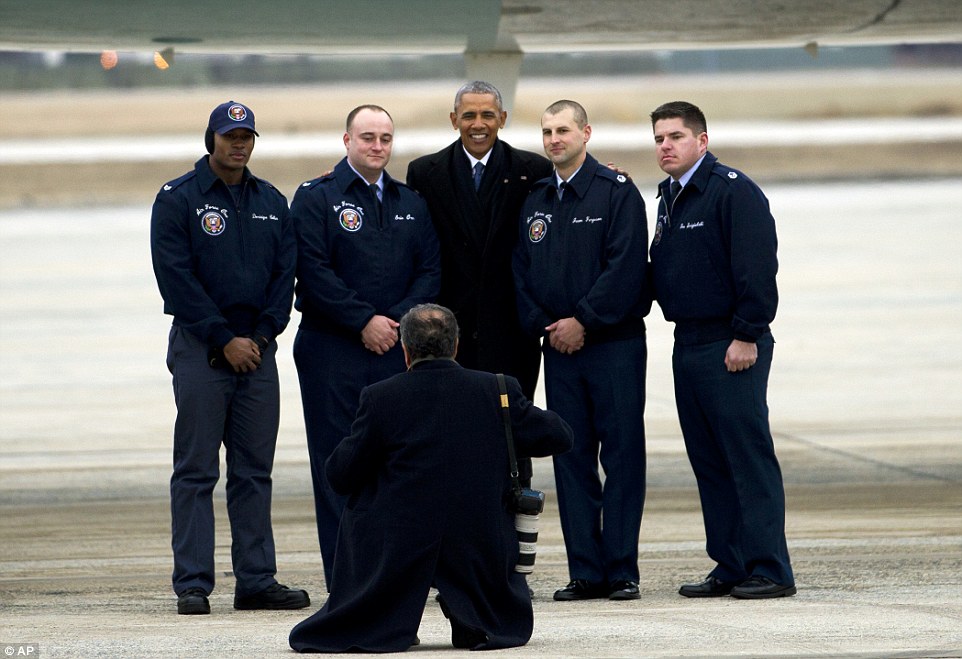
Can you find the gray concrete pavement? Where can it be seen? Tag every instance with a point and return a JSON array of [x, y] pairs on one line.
[[866, 400]]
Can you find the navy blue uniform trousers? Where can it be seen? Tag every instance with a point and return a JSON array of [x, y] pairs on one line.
[[241, 411], [600, 392], [332, 369], [724, 419]]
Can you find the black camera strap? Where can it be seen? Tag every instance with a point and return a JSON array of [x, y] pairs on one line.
[[506, 417]]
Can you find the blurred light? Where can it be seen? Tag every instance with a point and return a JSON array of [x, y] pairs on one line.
[[52, 58], [164, 58], [108, 59]]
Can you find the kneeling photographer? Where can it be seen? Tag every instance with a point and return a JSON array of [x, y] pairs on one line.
[[432, 502]]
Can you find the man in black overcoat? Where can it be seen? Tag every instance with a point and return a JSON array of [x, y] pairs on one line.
[[475, 215], [426, 471]]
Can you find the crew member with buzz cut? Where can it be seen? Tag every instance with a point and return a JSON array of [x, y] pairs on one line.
[[579, 267]]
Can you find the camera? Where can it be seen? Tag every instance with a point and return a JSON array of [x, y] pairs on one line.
[[528, 505], [529, 502]]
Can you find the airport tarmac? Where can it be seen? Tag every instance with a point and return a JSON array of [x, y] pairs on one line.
[[866, 409]]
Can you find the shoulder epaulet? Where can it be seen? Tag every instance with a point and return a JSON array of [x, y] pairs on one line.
[[314, 181], [727, 173], [265, 182], [402, 184], [170, 186], [606, 172]]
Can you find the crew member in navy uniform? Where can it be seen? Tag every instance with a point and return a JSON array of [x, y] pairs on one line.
[[713, 259], [475, 189], [579, 267], [223, 251], [427, 471], [366, 253]]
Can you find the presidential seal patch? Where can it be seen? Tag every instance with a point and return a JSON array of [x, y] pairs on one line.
[[350, 220], [659, 229], [537, 230], [237, 112], [213, 223]]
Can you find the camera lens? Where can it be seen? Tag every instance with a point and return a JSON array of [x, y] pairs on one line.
[[527, 528]]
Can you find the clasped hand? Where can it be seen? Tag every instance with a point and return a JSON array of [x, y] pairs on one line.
[[242, 354], [380, 334], [566, 335]]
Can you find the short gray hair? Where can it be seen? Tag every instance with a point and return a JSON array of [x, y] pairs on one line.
[[478, 87], [429, 331]]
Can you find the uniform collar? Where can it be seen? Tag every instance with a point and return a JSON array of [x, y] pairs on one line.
[[691, 172], [347, 176], [580, 180], [208, 179], [697, 176]]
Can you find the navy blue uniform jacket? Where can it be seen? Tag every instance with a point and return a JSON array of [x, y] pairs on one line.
[[223, 269], [350, 266], [584, 256], [426, 471], [713, 257]]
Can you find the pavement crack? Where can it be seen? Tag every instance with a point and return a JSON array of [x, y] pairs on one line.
[[857, 457], [878, 18]]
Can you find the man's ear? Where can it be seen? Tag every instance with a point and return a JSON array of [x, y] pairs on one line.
[[407, 357], [456, 342]]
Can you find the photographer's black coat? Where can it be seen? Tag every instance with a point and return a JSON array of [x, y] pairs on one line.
[[426, 469]]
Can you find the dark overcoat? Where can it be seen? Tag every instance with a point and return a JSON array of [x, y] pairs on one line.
[[426, 471], [477, 232]]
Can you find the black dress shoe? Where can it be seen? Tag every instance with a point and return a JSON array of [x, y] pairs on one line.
[[710, 587], [193, 602], [623, 590], [275, 597], [580, 589], [758, 588]]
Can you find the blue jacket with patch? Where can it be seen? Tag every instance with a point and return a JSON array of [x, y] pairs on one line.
[[224, 269], [353, 264], [584, 255], [713, 257]]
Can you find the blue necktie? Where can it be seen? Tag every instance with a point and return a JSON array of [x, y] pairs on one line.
[[377, 202], [675, 189], [478, 171]]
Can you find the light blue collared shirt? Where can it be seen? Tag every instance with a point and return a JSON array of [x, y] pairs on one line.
[[379, 184], [558, 180], [691, 172]]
